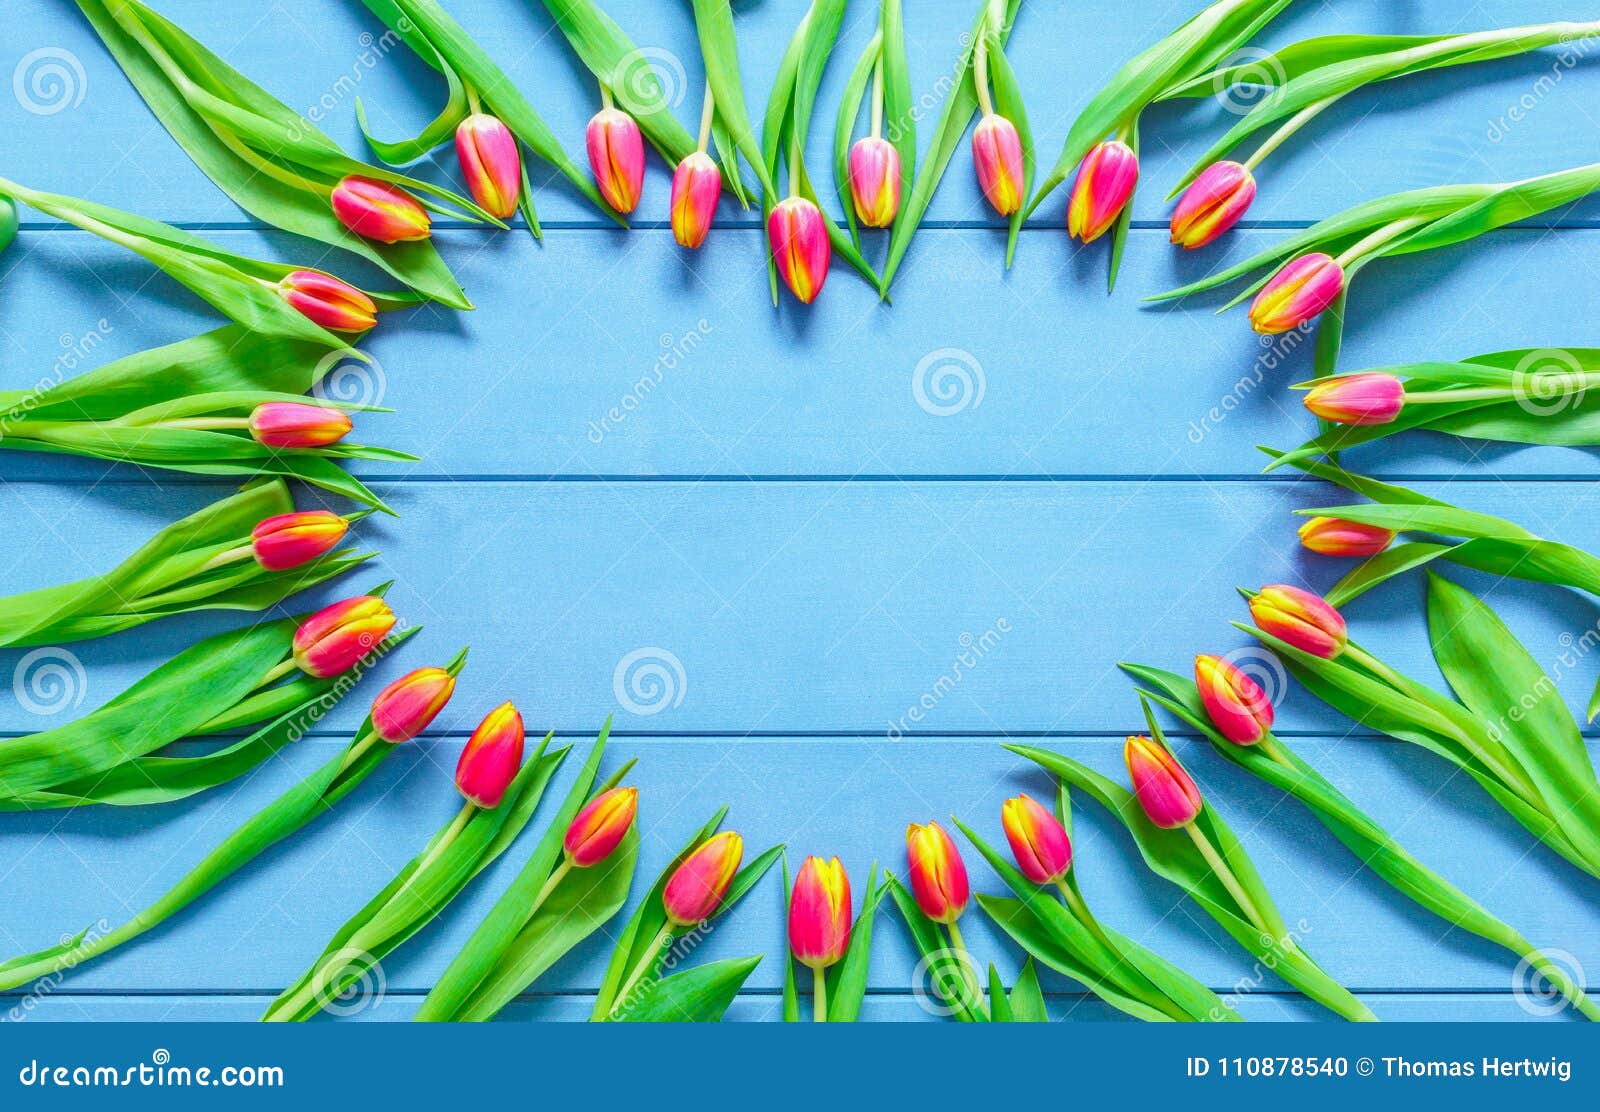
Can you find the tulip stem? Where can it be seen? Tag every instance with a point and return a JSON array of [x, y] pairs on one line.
[[225, 557], [1374, 240], [794, 160], [819, 994], [980, 71], [643, 967], [968, 975], [877, 96], [605, 96], [708, 111], [1270, 748], [457, 825], [278, 671], [357, 751], [549, 886], [1580, 382], [207, 424], [1288, 128], [474, 105], [1226, 875]]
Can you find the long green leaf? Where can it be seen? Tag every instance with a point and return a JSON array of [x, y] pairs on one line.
[[699, 995]]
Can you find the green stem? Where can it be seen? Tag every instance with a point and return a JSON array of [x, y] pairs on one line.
[[605, 96], [208, 424], [1370, 243], [645, 962], [474, 105], [549, 886], [278, 671], [819, 994], [877, 96], [969, 975], [708, 109], [357, 751], [1575, 381], [1287, 128], [1231, 882], [980, 71], [794, 159], [1080, 911], [225, 557], [457, 825]]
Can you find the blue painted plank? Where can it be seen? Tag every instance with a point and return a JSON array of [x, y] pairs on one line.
[[747, 1008], [94, 136], [639, 360], [829, 796], [821, 606]]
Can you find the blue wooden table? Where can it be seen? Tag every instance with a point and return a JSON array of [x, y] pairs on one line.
[[796, 520]]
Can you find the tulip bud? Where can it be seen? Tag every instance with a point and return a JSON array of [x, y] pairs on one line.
[[491, 163], [937, 873], [696, 187], [1106, 178], [1213, 204], [800, 246], [600, 827], [616, 155], [1301, 619], [1038, 842], [1235, 703], [410, 704], [1364, 399], [875, 181], [1333, 536], [819, 913], [297, 425], [377, 210], [326, 301], [696, 887], [1299, 291], [491, 758], [1163, 788], [334, 638], [289, 540], [997, 156]]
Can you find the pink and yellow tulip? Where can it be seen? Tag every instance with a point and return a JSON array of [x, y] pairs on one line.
[[1372, 398], [820, 913], [616, 155], [297, 425], [938, 875], [286, 541], [333, 639], [1301, 619], [491, 757], [600, 827], [410, 704], [696, 187], [491, 163], [377, 210], [1164, 790], [1105, 183], [1334, 536], [1301, 290], [800, 247], [326, 301], [875, 181], [1234, 702], [1038, 842], [696, 888], [997, 156], [1215, 202]]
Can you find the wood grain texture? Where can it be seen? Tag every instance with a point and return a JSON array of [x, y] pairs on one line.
[[629, 457]]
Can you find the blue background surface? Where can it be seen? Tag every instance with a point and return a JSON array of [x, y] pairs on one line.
[[782, 518]]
